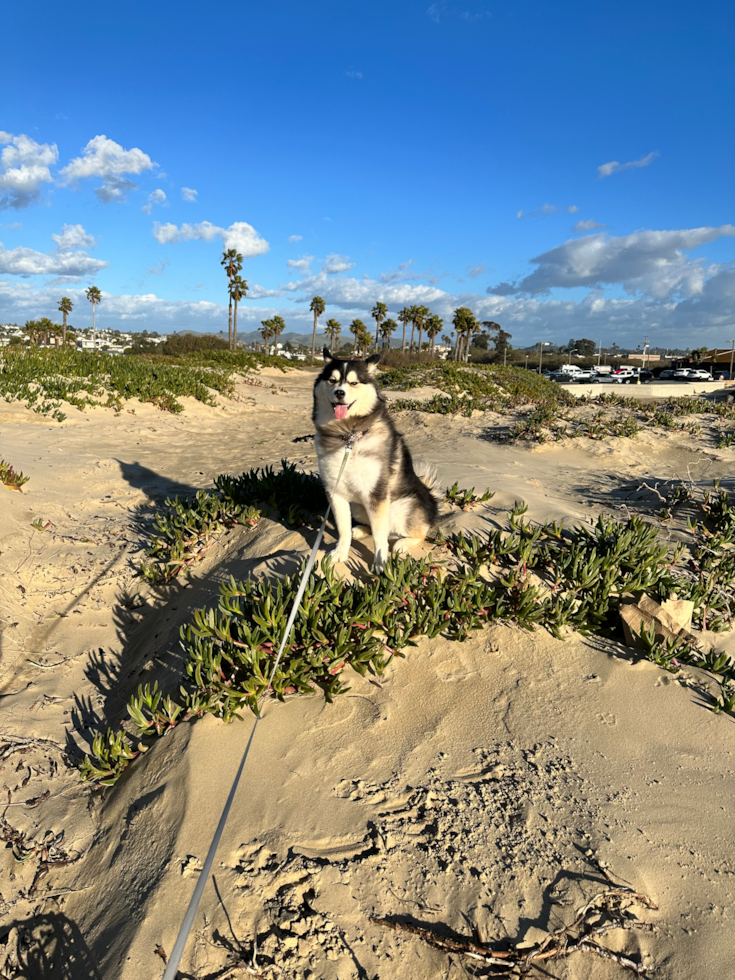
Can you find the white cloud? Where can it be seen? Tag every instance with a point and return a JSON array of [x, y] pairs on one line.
[[155, 197], [473, 271], [240, 235], [170, 233], [614, 167], [572, 209], [103, 157], [399, 274], [159, 268], [24, 167], [588, 225], [115, 189], [543, 212], [360, 294], [652, 263], [14, 226], [707, 317], [28, 262], [188, 194], [337, 263], [73, 236], [403, 273], [260, 292], [303, 264], [295, 238], [353, 74]]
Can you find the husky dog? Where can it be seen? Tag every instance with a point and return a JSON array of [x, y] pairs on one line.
[[379, 485]]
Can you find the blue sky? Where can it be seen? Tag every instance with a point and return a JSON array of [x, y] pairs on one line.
[[563, 169]]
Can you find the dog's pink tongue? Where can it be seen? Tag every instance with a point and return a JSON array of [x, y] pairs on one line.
[[340, 411]]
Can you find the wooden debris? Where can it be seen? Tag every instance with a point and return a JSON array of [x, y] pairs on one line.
[[605, 912]]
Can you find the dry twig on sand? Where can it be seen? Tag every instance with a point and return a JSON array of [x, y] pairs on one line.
[[607, 911]]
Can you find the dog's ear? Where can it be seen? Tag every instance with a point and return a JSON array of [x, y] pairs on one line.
[[372, 364], [327, 354]]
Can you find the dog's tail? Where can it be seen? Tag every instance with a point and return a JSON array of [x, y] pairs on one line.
[[430, 479]]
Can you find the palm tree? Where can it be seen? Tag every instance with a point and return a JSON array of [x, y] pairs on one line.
[[232, 261], [389, 326], [405, 317], [317, 307], [358, 328], [65, 308], [279, 325], [433, 327], [379, 313], [446, 340], [31, 330], [94, 296], [459, 323], [238, 291], [413, 310], [334, 328], [366, 339], [267, 332], [465, 323], [422, 312]]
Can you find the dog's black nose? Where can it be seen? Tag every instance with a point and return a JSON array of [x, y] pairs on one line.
[[340, 393]]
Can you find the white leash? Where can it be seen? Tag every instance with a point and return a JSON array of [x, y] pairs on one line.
[[173, 963]]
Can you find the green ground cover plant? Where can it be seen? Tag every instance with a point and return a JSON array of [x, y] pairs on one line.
[[184, 528], [541, 410], [466, 499], [13, 479], [486, 388], [45, 378], [528, 574], [617, 415]]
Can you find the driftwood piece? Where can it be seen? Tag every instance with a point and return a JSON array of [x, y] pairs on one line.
[[607, 911]]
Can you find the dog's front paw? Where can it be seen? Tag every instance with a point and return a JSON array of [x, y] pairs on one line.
[[360, 532], [339, 554], [378, 562]]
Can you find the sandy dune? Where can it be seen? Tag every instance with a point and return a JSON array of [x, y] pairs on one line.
[[477, 786]]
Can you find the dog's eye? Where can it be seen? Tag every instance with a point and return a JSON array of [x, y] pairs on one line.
[[354, 383], [332, 381]]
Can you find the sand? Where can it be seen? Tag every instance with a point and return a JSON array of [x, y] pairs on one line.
[[478, 786]]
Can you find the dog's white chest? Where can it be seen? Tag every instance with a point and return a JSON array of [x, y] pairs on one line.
[[359, 479]]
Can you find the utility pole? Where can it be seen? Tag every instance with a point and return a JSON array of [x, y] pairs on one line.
[[541, 346], [526, 361], [732, 355], [645, 348], [599, 354]]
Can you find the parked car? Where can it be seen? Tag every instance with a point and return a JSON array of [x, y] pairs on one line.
[[583, 377], [681, 374], [722, 376], [632, 377], [622, 375], [699, 374], [667, 373]]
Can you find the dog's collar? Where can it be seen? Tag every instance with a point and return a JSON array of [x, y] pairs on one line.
[[352, 437]]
